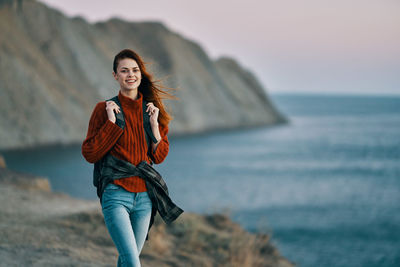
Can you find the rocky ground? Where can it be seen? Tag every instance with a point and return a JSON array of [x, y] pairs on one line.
[[43, 228]]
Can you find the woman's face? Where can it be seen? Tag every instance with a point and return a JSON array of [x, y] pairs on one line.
[[128, 74]]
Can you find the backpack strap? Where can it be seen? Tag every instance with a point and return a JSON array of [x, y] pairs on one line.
[[148, 133], [120, 121], [146, 123], [120, 117]]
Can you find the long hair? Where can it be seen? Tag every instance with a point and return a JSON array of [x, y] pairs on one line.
[[152, 90]]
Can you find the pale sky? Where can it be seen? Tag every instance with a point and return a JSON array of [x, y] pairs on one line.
[[324, 46]]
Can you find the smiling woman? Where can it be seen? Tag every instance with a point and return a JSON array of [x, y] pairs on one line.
[[129, 74], [127, 206]]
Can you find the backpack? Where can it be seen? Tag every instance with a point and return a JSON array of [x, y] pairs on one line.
[[120, 121]]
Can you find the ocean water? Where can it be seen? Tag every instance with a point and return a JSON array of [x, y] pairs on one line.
[[326, 186]]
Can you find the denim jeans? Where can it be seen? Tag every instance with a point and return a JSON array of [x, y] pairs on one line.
[[127, 217]]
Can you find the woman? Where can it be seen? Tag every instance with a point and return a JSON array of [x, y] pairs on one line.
[[126, 205]]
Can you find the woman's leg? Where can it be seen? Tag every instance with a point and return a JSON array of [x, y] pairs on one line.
[[140, 218], [117, 204]]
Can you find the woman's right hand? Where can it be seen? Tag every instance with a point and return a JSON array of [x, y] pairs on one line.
[[110, 107]]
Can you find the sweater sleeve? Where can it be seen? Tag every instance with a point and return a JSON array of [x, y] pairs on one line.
[[161, 150], [101, 136]]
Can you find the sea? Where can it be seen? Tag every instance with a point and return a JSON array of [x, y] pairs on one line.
[[325, 185]]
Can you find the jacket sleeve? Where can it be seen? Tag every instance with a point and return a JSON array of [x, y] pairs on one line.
[[161, 150], [101, 136]]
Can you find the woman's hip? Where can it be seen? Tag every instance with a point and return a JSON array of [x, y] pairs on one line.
[[115, 196]]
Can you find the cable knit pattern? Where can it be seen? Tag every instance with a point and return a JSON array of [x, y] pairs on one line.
[[127, 144]]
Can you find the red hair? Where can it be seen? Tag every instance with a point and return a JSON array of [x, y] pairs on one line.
[[151, 91]]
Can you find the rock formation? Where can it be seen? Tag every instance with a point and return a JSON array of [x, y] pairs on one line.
[[54, 69]]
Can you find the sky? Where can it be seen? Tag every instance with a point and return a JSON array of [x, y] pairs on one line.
[[292, 46]]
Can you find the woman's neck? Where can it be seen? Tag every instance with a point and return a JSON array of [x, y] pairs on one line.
[[133, 94]]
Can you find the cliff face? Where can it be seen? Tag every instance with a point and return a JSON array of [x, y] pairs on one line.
[[54, 69]]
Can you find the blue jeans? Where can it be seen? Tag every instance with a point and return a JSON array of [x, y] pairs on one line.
[[127, 217]]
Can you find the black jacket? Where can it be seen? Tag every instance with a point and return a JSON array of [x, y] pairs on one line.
[[115, 168]]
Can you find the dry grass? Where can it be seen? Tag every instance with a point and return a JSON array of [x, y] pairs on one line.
[[211, 240], [42, 228]]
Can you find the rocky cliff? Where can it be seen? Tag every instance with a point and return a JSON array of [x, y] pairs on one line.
[[54, 69]]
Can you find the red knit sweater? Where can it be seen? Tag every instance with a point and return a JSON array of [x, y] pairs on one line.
[[127, 144]]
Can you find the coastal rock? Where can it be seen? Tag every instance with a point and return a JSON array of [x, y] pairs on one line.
[[24, 181], [54, 69], [2, 162]]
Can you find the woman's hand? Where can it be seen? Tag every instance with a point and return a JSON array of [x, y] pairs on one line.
[[153, 112], [110, 107]]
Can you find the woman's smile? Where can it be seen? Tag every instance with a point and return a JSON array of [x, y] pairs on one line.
[[131, 81]]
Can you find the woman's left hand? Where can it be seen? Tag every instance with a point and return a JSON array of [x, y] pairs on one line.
[[153, 112]]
